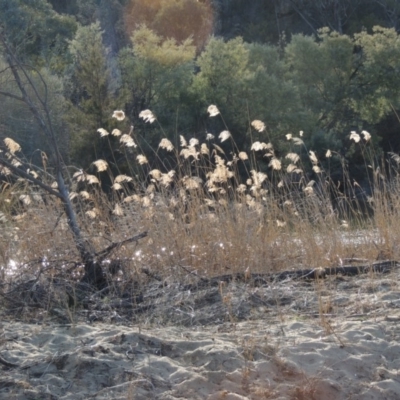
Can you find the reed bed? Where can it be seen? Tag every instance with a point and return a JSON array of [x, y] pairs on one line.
[[209, 208]]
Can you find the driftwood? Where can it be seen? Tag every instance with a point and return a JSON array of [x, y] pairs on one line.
[[382, 267]]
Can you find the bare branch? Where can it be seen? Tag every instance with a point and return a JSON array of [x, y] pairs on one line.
[[104, 253], [20, 172], [13, 96]]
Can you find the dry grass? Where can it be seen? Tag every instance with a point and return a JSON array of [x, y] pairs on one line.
[[208, 210]]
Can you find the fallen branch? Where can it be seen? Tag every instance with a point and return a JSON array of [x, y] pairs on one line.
[[101, 255], [382, 267]]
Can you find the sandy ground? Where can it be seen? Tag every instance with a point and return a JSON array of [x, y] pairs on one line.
[[339, 339]]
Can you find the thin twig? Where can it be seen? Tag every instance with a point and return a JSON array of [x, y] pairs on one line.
[[101, 255]]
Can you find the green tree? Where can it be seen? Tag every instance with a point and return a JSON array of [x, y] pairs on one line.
[[346, 83], [37, 36], [89, 88], [246, 82], [273, 97], [18, 122], [325, 71], [177, 19], [36, 33], [225, 80], [155, 74], [378, 79]]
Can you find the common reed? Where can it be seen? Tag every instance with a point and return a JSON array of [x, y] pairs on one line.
[[209, 207]]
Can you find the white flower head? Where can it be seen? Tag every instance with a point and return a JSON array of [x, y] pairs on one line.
[[116, 132], [127, 141], [367, 135], [243, 156], [183, 141], [294, 157], [210, 136], [100, 165], [147, 116], [258, 125], [119, 115], [275, 164], [355, 136], [224, 135], [313, 157], [12, 146], [193, 142], [317, 169], [166, 144], [297, 141], [259, 146], [213, 110], [103, 132], [142, 159]]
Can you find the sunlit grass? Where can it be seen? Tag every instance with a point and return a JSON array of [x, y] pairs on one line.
[[215, 210]]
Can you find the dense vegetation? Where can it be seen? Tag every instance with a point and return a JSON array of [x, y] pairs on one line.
[[233, 137], [325, 67]]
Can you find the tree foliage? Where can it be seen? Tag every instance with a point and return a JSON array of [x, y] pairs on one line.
[[155, 74], [36, 33], [101, 55], [90, 92], [178, 19]]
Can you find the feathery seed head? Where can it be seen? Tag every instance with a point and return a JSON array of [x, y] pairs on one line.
[[210, 136], [127, 141], [297, 141], [355, 136], [12, 146], [258, 125], [118, 211], [166, 144], [101, 165], [367, 135], [275, 164], [213, 110], [313, 157], [147, 116], [122, 178], [183, 141], [119, 115], [293, 157], [116, 132], [204, 149], [103, 132], [142, 159], [193, 142], [259, 146], [243, 156], [224, 135]]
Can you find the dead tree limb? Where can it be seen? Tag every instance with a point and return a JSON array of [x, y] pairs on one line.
[[101, 255]]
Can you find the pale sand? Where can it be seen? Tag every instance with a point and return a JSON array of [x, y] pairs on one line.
[[283, 355]]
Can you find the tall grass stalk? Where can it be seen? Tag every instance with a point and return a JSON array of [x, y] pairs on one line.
[[215, 210]]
